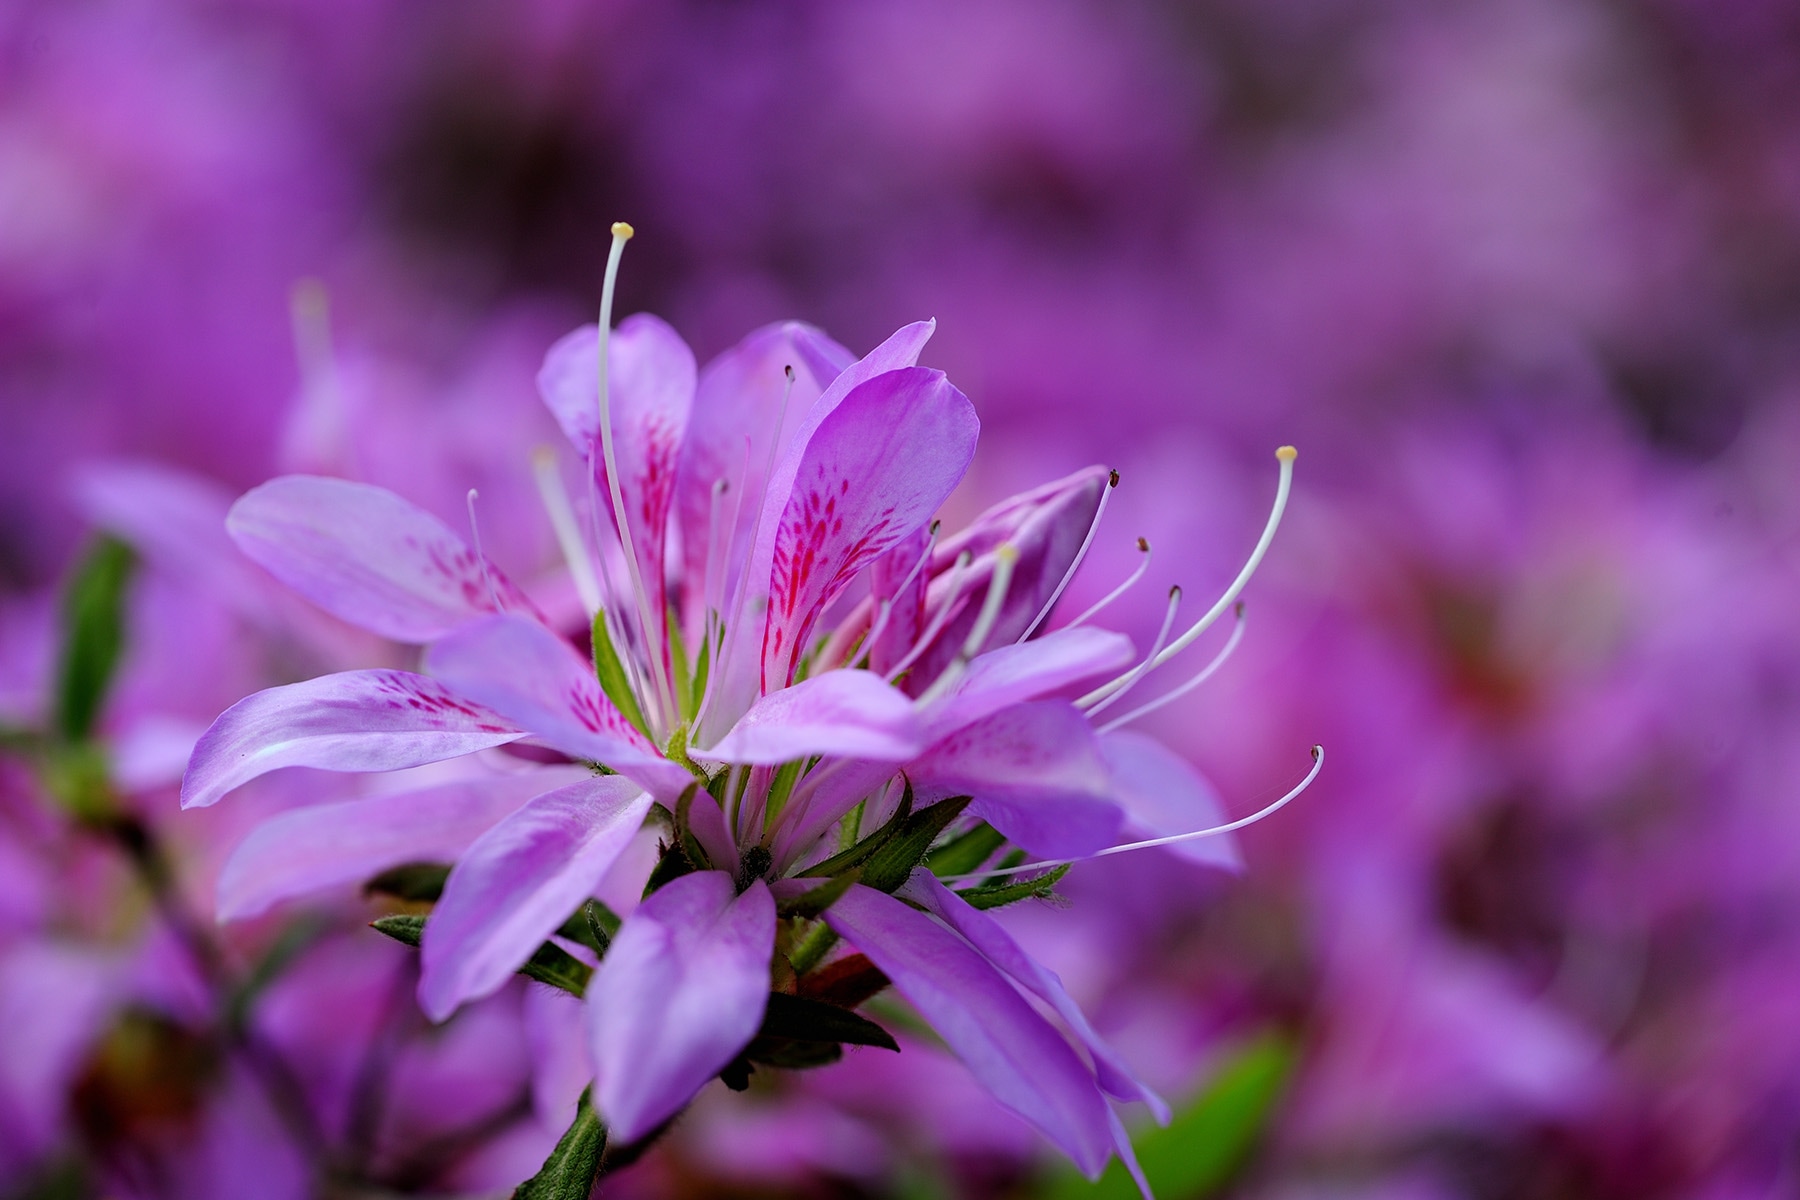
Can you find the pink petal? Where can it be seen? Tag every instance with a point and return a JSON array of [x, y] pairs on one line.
[[366, 555], [651, 380], [875, 470], [1162, 795], [739, 671], [681, 990], [352, 721], [521, 669], [518, 882], [1010, 1049], [847, 714], [997, 946], [338, 845], [1025, 671], [736, 409], [893, 579], [1036, 774]]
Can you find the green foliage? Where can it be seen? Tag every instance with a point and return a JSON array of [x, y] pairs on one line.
[[812, 903], [570, 1171], [417, 882], [889, 866], [611, 674], [1000, 894], [966, 851], [801, 1019], [1209, 1141], [93, 628], [551, 964]]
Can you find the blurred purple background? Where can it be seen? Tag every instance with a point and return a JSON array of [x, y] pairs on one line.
[[1520, 279]]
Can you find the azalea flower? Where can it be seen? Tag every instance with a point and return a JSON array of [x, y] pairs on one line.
[[829, 714]]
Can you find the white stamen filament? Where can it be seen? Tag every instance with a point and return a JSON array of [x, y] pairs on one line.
[[1285, 456], [568, 532], [1205, 673], [1006, 557], [1112, 481], [1143, 545], [662, 696], [953, 590], [840, 643], [1101, 697], [1318, 755], [480, 558]]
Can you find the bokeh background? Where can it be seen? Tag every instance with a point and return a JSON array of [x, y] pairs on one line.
[[1520, 278]]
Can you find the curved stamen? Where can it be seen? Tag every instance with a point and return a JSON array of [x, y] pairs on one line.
[[1006, 557], [846, 633], [663, 695], [953, 590], [1112, 481], [1318, 756], [568, 532], [1205, 673], [475, 535], [1101, 697], [1143, 545], [1285, 456]]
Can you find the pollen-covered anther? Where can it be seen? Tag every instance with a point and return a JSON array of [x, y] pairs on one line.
[[622, 231]]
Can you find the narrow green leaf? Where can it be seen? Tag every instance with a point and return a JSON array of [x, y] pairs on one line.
[[791, 1055], [798, 1018], [813, 902], [678, 657], [863, 850], [889, 866], [93, 632], [555, 966], [406, 928], [570, 1171], [594, 925], [419, 882], [612, 676], [1207, 1144], [1000, 894], [966, 851], [697, 689]]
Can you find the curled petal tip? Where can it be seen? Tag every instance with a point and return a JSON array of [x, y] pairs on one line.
[[1287, 454], [621, 230]]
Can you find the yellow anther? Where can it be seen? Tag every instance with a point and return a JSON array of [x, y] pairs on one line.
[[1287, 454], [621, 230]]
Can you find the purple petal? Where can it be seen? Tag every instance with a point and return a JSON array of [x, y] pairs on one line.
[[875, 470], [1010, 1049], [738, 674], [352, 721], [1162, 795], [847, 714], [366, 555], [1037, 776], [1025, 671], [1047, 526], [519, 668], [335, 845], [889, 581], [681, 990], [996, 945], [518, 882], [651, 379], [736, 410]]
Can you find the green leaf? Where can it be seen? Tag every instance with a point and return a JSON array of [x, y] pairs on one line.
[[966, 851], [594, 926], [93, 633], [405, 928], [419, 882], [612, 676], [845, 982], [797, 1018], [889, 866], [812, 903], [791, 1055], [1209, 1141], [863, 850], [551, 964], [570, 1171], [1001, 894]]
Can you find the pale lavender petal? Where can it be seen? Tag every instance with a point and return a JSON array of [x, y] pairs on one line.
[[875, 471], [364, 554], [352, 721], [1037, 776], [650, 396], [1162, 795], [845, 714], [1011, 1050], [519, 668], [518, 882], [338, 845], [899, 579], [738, 673], [817, 806], [996, 945], [737, 407], [681, 990], [1025, 671]]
